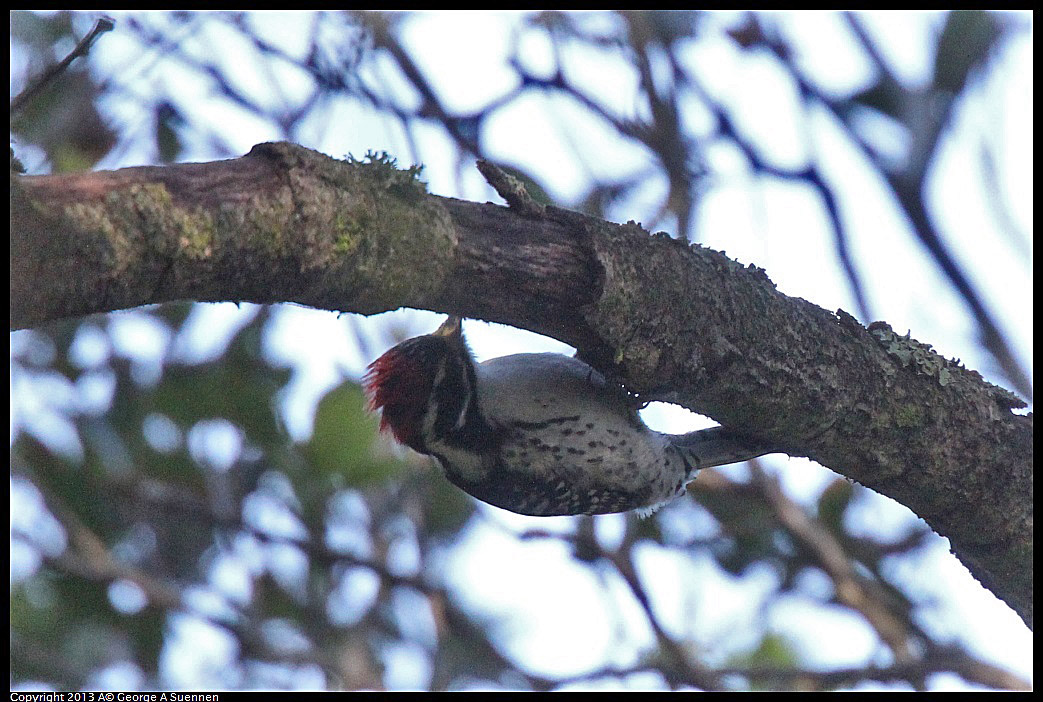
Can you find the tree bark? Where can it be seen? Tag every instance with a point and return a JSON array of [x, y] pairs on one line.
[[672, 321]]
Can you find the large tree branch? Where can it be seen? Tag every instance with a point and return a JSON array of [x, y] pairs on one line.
[[675, 322]]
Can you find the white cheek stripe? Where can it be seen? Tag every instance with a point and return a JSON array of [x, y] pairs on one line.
[[432, 407], [468, 391]]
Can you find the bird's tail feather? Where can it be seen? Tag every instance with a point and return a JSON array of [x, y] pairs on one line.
[[716, 446]]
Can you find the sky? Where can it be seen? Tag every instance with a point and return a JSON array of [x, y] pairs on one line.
[[773, 224]]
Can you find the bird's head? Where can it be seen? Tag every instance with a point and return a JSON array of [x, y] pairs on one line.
[[422, 385]]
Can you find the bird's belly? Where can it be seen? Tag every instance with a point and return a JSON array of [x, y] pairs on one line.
[[570, 466]]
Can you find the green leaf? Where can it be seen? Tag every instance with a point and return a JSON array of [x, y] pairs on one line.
[[343, 440], [833, 503]]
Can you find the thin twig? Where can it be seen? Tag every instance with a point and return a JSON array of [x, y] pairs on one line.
[[104, 24]]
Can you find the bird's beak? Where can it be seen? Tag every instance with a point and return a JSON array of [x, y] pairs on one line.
[[450, 328]]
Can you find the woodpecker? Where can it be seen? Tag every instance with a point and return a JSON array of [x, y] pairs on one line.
[[541, 434]]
